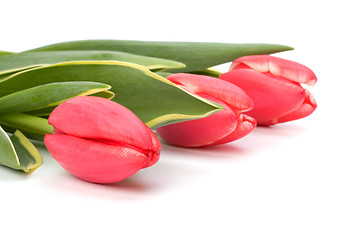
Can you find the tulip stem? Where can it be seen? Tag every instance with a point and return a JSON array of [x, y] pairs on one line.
[[27, 123]]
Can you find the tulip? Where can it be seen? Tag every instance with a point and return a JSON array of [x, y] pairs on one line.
[[221, 127], [274, 85], [100, 141]]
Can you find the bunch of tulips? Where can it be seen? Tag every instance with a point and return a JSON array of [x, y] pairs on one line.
[[60, 94]]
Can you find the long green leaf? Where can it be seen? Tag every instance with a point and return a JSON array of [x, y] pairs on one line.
[[5, 53], [42, 112], [22, 61], [17, 152], [47, 95], [207, 72], [196, 55], [45, 112], [5, 75], [104, 94], [155, 100]]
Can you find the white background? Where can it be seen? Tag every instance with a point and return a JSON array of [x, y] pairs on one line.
[[299, 180]]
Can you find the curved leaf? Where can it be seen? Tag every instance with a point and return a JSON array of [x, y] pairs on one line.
[[45, 112], [104, 94], [47, 95], [18, 152], [154, 99], [196, 55], [8, 156], [28, 155], [26, 60], [212, 72], [208, 72]]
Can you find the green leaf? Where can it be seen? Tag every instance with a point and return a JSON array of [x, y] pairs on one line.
[[18, 152], [28, 134], [42, 112], [164, 74], [155, 100], [208, 72], [104, 94], [196, 55], [5, 53], [8, 155], [47, 95], [5, 75], [45, 112], [28, 155], [21, 61]]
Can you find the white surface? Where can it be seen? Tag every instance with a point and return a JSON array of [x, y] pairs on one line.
[[293, 181]]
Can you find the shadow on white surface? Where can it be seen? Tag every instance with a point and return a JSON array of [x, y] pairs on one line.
[[166, 176], [10, 175], [178, 167], [208, 154]]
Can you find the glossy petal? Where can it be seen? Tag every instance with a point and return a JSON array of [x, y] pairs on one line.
[[99, 140], [245, 125], [99, 118], [154, 155], [306, 108], [272, 97], [94, 161], [287, 69], [233, 96], [201, 132]]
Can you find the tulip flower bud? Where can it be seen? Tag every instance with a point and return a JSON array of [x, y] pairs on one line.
[[274, 85], [99, 140], [224, 126]]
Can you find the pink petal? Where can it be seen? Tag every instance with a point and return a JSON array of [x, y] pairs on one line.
[[307, 107], [233, 96], [272, 97], [259, 63], [153, 156], [287, 69], [94, 161], [200, 132], [99, 118], [245, 125]]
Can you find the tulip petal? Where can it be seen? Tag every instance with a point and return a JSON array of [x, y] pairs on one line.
[[94, 161], [99, 118], [284, 68], [153, 156], [233, 96], [244, 126], [200, 132], [307, 107], [272, 97]]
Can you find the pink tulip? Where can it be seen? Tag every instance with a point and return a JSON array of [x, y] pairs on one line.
[[99, 140], [274, 85], [224, 126]]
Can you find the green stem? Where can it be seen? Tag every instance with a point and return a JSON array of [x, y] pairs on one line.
[[27, 123]]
